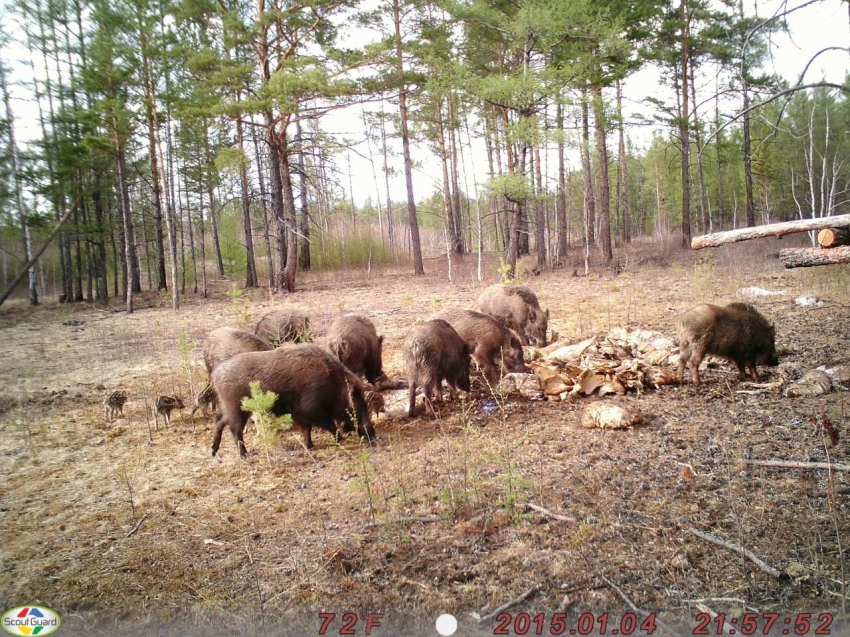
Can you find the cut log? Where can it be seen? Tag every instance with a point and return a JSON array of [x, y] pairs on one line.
[[770, 230], [810, 257], [834, 237]]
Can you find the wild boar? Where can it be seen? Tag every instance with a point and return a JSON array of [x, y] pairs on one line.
[[226, 342], [311, 385], [433, 351], [737, 333], [163, 406], [279, 326], [489, 341], [114, 404], [355, 342], [517, 308], [206, 401]]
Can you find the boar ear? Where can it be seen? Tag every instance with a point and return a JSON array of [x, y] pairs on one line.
[[381, 339], [547, 313]]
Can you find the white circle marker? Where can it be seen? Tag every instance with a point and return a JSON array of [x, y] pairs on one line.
[[446, 624]]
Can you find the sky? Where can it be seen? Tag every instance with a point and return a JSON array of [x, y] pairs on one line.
[[812, 28]]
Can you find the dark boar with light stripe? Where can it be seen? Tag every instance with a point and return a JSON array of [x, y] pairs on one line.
[[311, 384]]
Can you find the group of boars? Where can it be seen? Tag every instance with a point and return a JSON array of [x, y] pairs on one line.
[[334, 385]]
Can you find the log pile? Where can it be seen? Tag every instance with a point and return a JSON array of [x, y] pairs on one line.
[[833, 239], [810, 257]]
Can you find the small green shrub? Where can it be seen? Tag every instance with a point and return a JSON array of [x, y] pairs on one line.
[[260, 405]]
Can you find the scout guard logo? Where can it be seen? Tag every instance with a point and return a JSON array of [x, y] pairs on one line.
[[31, 620]]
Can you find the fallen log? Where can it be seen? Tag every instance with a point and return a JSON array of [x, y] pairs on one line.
[[769, 230], [810, 257], [834, 237], [11, 287]]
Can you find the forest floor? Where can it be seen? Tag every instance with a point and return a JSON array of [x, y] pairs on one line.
[[127, 530]]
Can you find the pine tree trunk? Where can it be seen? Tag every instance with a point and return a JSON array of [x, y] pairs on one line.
[[191, 231], [624, 169], [143, 230], [65, 237], [129, 243], [180, 230], [748, 154], [304, 256], [50, 144], [75, 268], [499, 243], [102, 285], [286, 278], [718, 145], [19, 186], [561, 206], [456, 202], [156, 182], [116, 261], [405, 143], [540, 213], [703, 196], [251, 279], [276, 187], [169, 217], [210, 187], [684, 128], [368, 132], [202, 241], [260, 170], [604, 193], [589, 196], [390, 230], [449, 216]]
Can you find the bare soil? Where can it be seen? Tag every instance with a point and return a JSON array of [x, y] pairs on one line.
[[121, 527]]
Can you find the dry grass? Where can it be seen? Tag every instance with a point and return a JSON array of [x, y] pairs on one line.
[[231, 545]]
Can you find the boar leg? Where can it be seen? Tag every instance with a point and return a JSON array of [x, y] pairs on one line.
[[238, 433], [306, 433], [487, 364], [411, 408], [755, 372], [684, 357], [219, 428], [693, 365]]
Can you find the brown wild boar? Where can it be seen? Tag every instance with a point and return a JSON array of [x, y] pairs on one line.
[[114, 404], [279, 326], [433, 351], [226, 342], [737, 333], [206, 401], [311, 385], [355, 342], [489, 341], [163, 406], [517, 308]]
